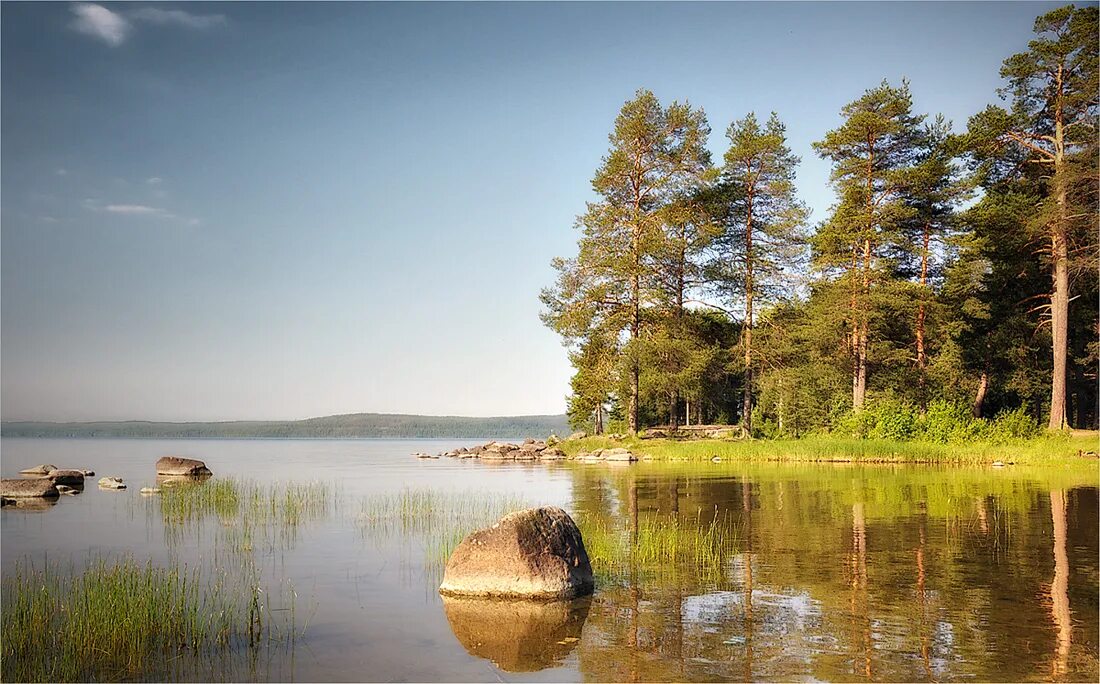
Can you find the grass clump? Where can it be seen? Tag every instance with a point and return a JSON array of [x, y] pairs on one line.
[[119, 620], [661, 545], [436, 519], [267, 513]]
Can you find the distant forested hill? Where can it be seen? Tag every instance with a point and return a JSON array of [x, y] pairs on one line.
[[352, 425]]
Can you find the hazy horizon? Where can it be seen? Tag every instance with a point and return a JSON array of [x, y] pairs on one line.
[[218, 212]]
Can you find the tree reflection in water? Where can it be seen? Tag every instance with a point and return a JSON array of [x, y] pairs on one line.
[[847, 573]]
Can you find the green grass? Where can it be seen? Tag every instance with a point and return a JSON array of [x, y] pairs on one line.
[[438, 520], [660, 546], [249, 513], [121, 620], [1046, 450]]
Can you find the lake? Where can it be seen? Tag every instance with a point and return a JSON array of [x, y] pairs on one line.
[[704, 571]]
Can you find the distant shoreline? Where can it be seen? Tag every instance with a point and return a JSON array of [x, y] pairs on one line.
[[339, 427]]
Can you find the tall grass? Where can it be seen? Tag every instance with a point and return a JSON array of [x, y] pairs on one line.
[[249, 513], [122, 620], [661, 545], [435, 519]]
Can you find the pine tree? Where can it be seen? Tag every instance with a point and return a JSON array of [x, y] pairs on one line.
[[1053, 121], [932, 189], [871, 152], [762, 237], [657, 155]]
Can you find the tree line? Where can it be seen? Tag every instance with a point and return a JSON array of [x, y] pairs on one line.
[[955, 272]]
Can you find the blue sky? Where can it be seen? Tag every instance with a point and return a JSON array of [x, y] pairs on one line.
[[225, 211]]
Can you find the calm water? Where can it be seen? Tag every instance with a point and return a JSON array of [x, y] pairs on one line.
[[840, 572]]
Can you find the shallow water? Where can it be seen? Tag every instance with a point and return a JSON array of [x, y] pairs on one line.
[[838, 572]]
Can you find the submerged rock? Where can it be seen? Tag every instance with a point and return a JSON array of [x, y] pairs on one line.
[[536, 553], [174, 465], [148, 491], [18, 488], [66, 489], [43, 469], [517, 636], [73, 478], [111, 483]]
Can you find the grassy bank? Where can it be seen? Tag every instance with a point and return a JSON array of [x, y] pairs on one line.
[[1043, 450]]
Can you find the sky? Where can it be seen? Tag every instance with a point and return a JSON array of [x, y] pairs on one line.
[[274, 211]]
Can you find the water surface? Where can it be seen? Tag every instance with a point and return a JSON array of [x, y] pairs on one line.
[[838, 572]]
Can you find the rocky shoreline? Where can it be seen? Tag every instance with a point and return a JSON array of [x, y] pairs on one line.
[[534, 450]]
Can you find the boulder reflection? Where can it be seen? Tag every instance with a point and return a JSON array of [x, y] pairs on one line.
[[517, 636]]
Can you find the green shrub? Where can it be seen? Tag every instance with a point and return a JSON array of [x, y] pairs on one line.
[[1009, 425], [948, 422]]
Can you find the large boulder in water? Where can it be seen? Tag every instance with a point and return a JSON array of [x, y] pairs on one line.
[[18, 488], [537, 553], [187, 467], [517, 636]]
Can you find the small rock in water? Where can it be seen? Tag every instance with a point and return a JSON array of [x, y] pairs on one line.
[[88, 473], [149, 491], [67, 477], [716, 459], [43, 469], [998, 464], [111, 483], [66, 489], [174, 465]]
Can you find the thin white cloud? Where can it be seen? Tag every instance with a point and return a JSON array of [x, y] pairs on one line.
[[175, 17], [155, 180], [139, 211], [61, 172], [99, 22], [136, 210]]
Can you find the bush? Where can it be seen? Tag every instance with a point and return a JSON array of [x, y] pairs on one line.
[[1009, 425], [948, 422], [881, 419]]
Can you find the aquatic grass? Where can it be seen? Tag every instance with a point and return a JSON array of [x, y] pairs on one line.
[[661, 545], [248, 512], [119, 619], [439, 520]]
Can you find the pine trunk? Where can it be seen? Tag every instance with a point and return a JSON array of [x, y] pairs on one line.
[[1059, 256], [746, 399], [922, 387], [979, 397]]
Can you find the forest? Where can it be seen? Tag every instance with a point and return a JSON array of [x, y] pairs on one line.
[[951, 291]]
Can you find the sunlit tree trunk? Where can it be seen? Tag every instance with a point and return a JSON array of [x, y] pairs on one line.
[[921, 360]]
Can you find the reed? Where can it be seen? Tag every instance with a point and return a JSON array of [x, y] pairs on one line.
[[117, 620], [699, 546], [248, 513], [438, 520]]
